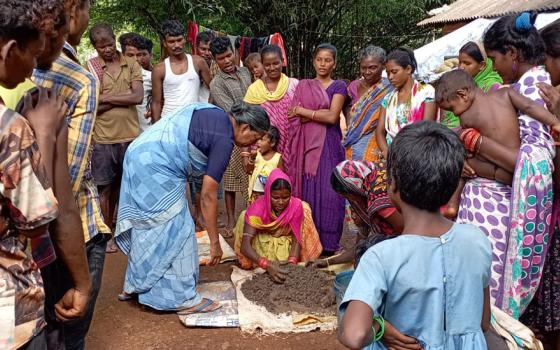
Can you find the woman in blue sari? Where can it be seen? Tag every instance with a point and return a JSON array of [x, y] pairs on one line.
[[154, 226]]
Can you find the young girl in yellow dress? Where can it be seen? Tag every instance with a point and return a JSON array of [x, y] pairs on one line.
[[267, 159]]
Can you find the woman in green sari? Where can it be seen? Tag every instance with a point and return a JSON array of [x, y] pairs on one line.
[[473, 60]]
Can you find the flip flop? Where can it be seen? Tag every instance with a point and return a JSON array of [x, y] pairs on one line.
[[203, 307]]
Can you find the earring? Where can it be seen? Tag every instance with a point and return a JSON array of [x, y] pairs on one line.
[[514, 67]]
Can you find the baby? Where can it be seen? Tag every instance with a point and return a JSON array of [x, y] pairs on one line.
[[489, 126], [254, 64]]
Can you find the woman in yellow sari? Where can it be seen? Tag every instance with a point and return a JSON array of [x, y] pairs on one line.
[[277, 228]]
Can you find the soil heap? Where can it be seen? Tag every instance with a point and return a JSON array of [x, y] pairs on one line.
[[306, 290]]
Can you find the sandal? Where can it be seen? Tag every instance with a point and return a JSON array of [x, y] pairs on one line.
[[124, 296], [205, 306], [227, 233]]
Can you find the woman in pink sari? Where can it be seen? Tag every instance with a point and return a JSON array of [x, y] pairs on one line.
[[274, 93], [315, 145], [276, 228]]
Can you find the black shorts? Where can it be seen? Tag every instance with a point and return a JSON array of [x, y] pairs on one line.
[[107, 162]]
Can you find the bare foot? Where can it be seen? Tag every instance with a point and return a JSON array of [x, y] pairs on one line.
[[227, 232], [111, 247]]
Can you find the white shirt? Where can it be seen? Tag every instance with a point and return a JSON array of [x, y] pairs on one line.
[[141, 108], [179, 90]]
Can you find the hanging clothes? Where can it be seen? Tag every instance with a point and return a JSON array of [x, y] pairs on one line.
[[191, 35], [276, 39], [254, 45], [243, 45]]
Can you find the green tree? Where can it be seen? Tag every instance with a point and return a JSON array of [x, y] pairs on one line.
[[145, 16], [348, 24]]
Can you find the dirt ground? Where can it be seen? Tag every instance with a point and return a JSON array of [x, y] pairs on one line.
[[128, 325]]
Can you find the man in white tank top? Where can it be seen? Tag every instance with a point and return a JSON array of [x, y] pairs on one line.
[[176, 81]]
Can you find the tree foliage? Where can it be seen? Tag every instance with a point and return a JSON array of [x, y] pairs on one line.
[[348, 24]]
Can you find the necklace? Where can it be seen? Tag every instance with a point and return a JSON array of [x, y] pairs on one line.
[[266, 86]]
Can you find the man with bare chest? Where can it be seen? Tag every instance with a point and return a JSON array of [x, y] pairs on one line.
[[176, 81]]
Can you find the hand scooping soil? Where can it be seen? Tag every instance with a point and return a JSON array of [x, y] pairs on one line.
[[306, 290]]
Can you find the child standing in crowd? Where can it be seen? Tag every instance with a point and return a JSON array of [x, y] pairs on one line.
[[412, 101], [267, 159], [449, 306], [254, 64]]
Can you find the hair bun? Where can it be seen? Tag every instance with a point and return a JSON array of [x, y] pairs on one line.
[[524, 21]]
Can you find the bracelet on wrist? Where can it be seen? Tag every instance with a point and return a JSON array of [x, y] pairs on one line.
[[293, 260], [378, 335], [479, 144], [263, 262]]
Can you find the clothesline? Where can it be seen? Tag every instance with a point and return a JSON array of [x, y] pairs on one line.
[[244, 45], [367, 36]]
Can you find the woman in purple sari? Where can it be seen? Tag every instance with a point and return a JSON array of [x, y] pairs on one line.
[[316, 147]]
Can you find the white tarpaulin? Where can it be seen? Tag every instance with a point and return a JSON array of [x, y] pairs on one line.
[[431, 56]]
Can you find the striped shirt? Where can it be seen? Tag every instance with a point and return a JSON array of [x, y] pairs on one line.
[[226, 89], [81, 91]]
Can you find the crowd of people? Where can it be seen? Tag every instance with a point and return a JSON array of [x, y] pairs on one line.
[[456, 216]]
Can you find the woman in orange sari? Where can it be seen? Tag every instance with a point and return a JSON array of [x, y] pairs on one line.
[[277, 228]]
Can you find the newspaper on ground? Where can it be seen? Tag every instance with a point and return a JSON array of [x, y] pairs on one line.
[[224, 317]]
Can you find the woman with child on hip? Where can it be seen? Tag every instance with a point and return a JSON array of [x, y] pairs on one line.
[[518, 218]]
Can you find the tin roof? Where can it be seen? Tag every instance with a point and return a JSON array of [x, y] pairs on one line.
[[466, 10]]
